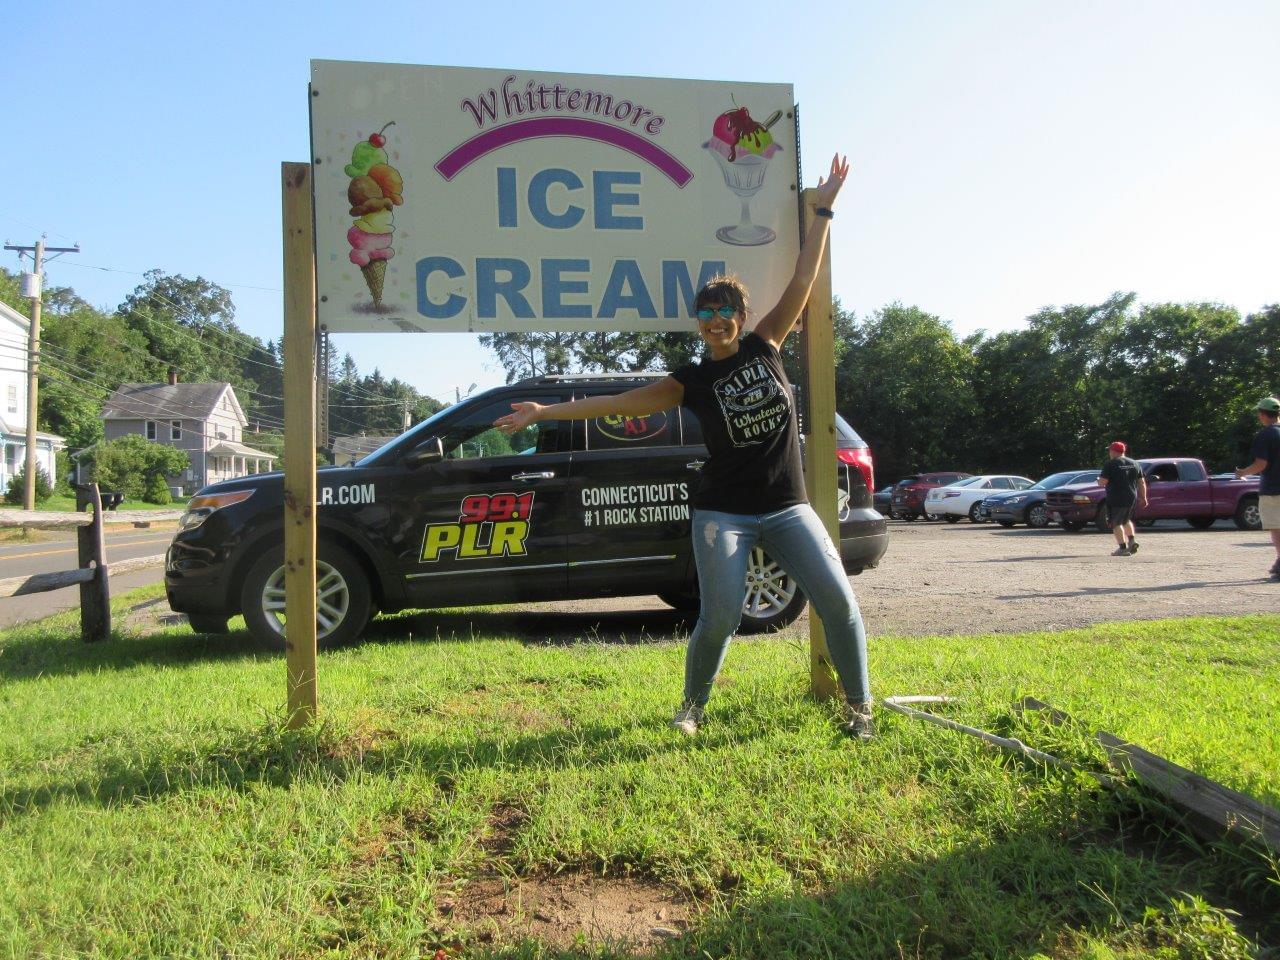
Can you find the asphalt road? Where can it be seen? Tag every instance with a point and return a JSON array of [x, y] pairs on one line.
[[57, 551]]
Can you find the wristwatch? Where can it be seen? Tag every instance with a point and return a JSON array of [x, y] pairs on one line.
[[824, 212]]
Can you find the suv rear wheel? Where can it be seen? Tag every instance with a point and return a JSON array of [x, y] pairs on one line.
[[772, 598], [343, 605]]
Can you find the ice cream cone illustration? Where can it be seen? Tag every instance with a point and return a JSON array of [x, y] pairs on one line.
[[376, 187], [742, 148]]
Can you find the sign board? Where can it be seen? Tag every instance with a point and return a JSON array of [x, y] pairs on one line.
[[460, 199]]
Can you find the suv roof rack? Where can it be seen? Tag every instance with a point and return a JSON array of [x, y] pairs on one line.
[[633, 375]]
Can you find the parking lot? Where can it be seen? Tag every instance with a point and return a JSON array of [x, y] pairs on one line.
[[940, 578]]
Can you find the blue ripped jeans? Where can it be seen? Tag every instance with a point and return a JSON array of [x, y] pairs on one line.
[[795, 538]]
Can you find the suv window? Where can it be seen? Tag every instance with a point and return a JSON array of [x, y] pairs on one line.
[[1190, 472], [692, 430], [846, 435], [617, 433], [474, 437]]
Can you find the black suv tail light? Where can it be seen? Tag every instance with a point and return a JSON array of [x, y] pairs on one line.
[[859, 457]]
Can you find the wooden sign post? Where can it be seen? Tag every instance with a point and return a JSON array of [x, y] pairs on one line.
[[299, 443], [820, 441]]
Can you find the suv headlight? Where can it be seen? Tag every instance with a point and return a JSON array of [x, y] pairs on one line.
[[1081, 498], [199, 509]]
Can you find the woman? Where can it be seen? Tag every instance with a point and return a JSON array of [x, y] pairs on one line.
[[751, 490]]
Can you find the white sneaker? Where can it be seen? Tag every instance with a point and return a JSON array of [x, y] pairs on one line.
[[859, 724], [687, 720]]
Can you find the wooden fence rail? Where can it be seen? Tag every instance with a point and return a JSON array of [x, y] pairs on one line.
[[93, 573]]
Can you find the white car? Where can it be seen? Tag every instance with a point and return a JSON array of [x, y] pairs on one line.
[[962, 498]]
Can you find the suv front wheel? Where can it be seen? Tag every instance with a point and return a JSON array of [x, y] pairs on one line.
[[343, 605]]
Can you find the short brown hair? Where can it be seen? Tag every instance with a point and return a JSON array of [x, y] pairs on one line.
[[721, 290]]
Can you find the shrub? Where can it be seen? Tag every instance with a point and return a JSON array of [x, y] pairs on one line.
[[130, 463], [16, 492], [157, 491], [63, 472]]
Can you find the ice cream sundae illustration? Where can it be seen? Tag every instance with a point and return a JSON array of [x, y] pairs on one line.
[[375, 188], [743, 149]]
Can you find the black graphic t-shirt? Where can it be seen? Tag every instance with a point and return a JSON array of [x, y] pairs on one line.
[[1122, 476], [1266, 446], [748, 417]]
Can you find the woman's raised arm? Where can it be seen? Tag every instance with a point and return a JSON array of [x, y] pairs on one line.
[[777, 323], [651, 398]]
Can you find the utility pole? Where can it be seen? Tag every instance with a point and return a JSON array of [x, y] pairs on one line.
[[35, 292]]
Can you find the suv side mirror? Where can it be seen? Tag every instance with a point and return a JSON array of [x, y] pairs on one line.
[[429, 451]]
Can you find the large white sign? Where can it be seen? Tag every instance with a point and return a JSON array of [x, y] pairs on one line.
[[465, 199]]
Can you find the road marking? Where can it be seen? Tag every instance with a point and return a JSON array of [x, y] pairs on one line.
[[52, 553]]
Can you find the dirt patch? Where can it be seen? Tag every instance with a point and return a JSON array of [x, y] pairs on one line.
[[561, 909], [569, 908]]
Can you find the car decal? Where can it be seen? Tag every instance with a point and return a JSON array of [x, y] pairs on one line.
[[350, 495], [632, 428], [488, 525]]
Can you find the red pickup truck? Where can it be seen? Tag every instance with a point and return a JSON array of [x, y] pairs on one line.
[[1178, 488]]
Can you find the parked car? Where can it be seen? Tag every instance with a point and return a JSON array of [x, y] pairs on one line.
[[1027, 506], [883, 501], [909, 492], [453, 512], [964, 497], [1178, 488]]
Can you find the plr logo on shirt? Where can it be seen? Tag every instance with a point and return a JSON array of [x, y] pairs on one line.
[[754, 405]]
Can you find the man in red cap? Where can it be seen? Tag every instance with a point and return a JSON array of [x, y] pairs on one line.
[[1266, 461], [1123, 480]]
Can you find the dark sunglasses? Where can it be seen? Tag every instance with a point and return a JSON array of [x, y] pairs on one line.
[[706, 313]]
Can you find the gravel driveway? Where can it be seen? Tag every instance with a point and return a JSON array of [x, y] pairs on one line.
[[939, 578]]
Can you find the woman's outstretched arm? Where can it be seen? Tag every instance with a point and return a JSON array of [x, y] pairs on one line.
[[777, 323], [651, 398]]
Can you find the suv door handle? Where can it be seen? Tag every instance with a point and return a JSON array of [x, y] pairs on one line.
[[694, 464], [539, 475]]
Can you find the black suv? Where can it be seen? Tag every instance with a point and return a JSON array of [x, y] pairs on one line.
[[454, 513]]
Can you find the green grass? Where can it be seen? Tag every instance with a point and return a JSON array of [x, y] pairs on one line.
[[152, 805]]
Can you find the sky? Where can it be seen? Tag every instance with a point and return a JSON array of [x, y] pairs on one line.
[[1007, 155]]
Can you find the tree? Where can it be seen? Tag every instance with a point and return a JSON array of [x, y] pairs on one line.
[[131, 463], [905, 383]]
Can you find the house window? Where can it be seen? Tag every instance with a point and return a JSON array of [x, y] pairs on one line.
[[175, 429], [151, 429], [13, 398]]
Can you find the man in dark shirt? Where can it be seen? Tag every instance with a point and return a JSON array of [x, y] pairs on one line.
[[1123, 480], [1266, 461]]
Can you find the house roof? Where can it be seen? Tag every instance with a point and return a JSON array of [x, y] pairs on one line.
[[164, 401], [13, 316], [18, 432], [229, 448]]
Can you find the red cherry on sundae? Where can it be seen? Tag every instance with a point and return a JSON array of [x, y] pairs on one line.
[[377, 139]]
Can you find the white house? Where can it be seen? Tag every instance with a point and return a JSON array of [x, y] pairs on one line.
[[204, 419], [14, 331]]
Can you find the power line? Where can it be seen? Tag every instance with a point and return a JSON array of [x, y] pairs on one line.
[[141, 273], [271, 422]]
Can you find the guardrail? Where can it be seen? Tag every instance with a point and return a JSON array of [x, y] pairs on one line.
[[93, 573]]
